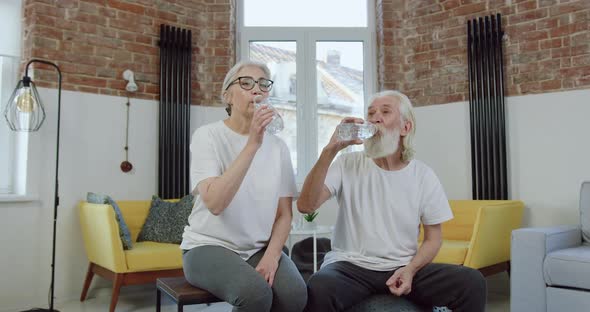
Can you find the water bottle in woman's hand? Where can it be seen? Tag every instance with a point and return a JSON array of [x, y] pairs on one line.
[[276, 125]]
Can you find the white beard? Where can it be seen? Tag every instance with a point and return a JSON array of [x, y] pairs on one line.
[[383, 145]]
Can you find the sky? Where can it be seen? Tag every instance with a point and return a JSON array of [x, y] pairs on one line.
[[351, 13], [312, 13]]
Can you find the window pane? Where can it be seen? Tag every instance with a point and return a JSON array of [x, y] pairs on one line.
[[8, 80], [279, 56], [339, 72], [305, 13]]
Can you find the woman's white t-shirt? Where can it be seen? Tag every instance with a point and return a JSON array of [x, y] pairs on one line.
[[245, 225], [380, 211]]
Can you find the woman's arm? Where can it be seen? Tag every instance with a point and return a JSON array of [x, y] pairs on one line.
[[281, 227], [218, 192], [269, 263]]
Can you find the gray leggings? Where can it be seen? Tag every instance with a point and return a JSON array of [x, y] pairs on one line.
[[231, 279]]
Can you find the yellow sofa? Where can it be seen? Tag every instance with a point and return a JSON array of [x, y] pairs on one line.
[[142, 264], [479, 234]]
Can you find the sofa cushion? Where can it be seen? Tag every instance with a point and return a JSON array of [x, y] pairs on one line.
[[585, 211], [452, 251], [567, 300], [568, 267], [124, 232], [148, 256], [166, 220]]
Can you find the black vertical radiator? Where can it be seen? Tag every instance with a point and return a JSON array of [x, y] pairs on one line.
[[486, 108], [174, 109]]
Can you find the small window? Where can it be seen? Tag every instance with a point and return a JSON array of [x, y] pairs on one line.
[[12, 145], [321, 57], [305, 13], [8, 79]]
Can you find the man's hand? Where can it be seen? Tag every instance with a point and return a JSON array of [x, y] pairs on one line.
[[336, 145], [267, 267], [400, 283]]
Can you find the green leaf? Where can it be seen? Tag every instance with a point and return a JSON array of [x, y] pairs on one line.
[[310, 216]]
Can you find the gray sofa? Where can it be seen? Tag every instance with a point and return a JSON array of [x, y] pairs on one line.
[[551, 265]]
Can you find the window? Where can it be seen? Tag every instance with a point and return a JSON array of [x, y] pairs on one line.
[[8, 70], [322, 64], [11, 143]]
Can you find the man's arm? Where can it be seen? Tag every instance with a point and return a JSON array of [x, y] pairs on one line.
[[400, 282], [314, 192], [429, 248]]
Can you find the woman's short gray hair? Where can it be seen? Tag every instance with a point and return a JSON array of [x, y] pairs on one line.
[[232, 75], [406, 111]]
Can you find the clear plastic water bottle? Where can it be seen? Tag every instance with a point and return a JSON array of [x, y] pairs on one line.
[[276, 125], [352, 131]]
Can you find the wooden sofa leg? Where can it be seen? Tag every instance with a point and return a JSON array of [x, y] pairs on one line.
[[116, 288], [87, 281], [508, 268]]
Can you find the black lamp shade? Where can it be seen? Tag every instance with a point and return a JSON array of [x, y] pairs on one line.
[[24, 111]]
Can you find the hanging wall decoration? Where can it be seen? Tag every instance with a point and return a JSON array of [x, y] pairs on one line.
[[126, 166]]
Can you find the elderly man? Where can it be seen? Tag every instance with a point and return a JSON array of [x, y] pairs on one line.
[[384, 195]]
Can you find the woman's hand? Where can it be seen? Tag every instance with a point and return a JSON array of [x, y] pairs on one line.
[[336, 145], [262, 117], [267, 267]]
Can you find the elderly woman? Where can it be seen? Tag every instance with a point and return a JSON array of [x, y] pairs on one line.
[[244, 183]]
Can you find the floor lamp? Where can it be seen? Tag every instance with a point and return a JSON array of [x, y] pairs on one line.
[[25, 112]]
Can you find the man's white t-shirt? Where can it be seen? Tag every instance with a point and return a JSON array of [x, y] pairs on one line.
[[380, 212], [245, 225]]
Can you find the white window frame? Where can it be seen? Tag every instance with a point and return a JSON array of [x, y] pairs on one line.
[[16, 148], [6, 136], [306, 38]]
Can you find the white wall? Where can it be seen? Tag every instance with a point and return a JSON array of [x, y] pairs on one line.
[[91, 150], [548, 151], [548, 146]]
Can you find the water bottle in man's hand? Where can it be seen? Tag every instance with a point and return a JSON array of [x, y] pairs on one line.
[[351, 131], [276, 125]]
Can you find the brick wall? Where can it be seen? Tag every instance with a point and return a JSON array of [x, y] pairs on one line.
[[94, 41], [422, 46]]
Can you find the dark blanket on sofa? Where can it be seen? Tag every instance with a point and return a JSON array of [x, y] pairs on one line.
[[302, 255]]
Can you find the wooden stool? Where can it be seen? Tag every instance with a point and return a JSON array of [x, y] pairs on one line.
[[181, 292]]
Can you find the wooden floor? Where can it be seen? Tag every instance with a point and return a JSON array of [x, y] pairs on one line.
[[142, 298]]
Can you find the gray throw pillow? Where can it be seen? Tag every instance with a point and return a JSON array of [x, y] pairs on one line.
[[124, 232], [165, 221]]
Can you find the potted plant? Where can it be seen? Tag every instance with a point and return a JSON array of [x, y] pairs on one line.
[[309, 218]]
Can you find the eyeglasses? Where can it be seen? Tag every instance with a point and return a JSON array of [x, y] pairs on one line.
[[247, 83]]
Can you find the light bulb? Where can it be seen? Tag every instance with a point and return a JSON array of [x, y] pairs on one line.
[[25, 102]]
